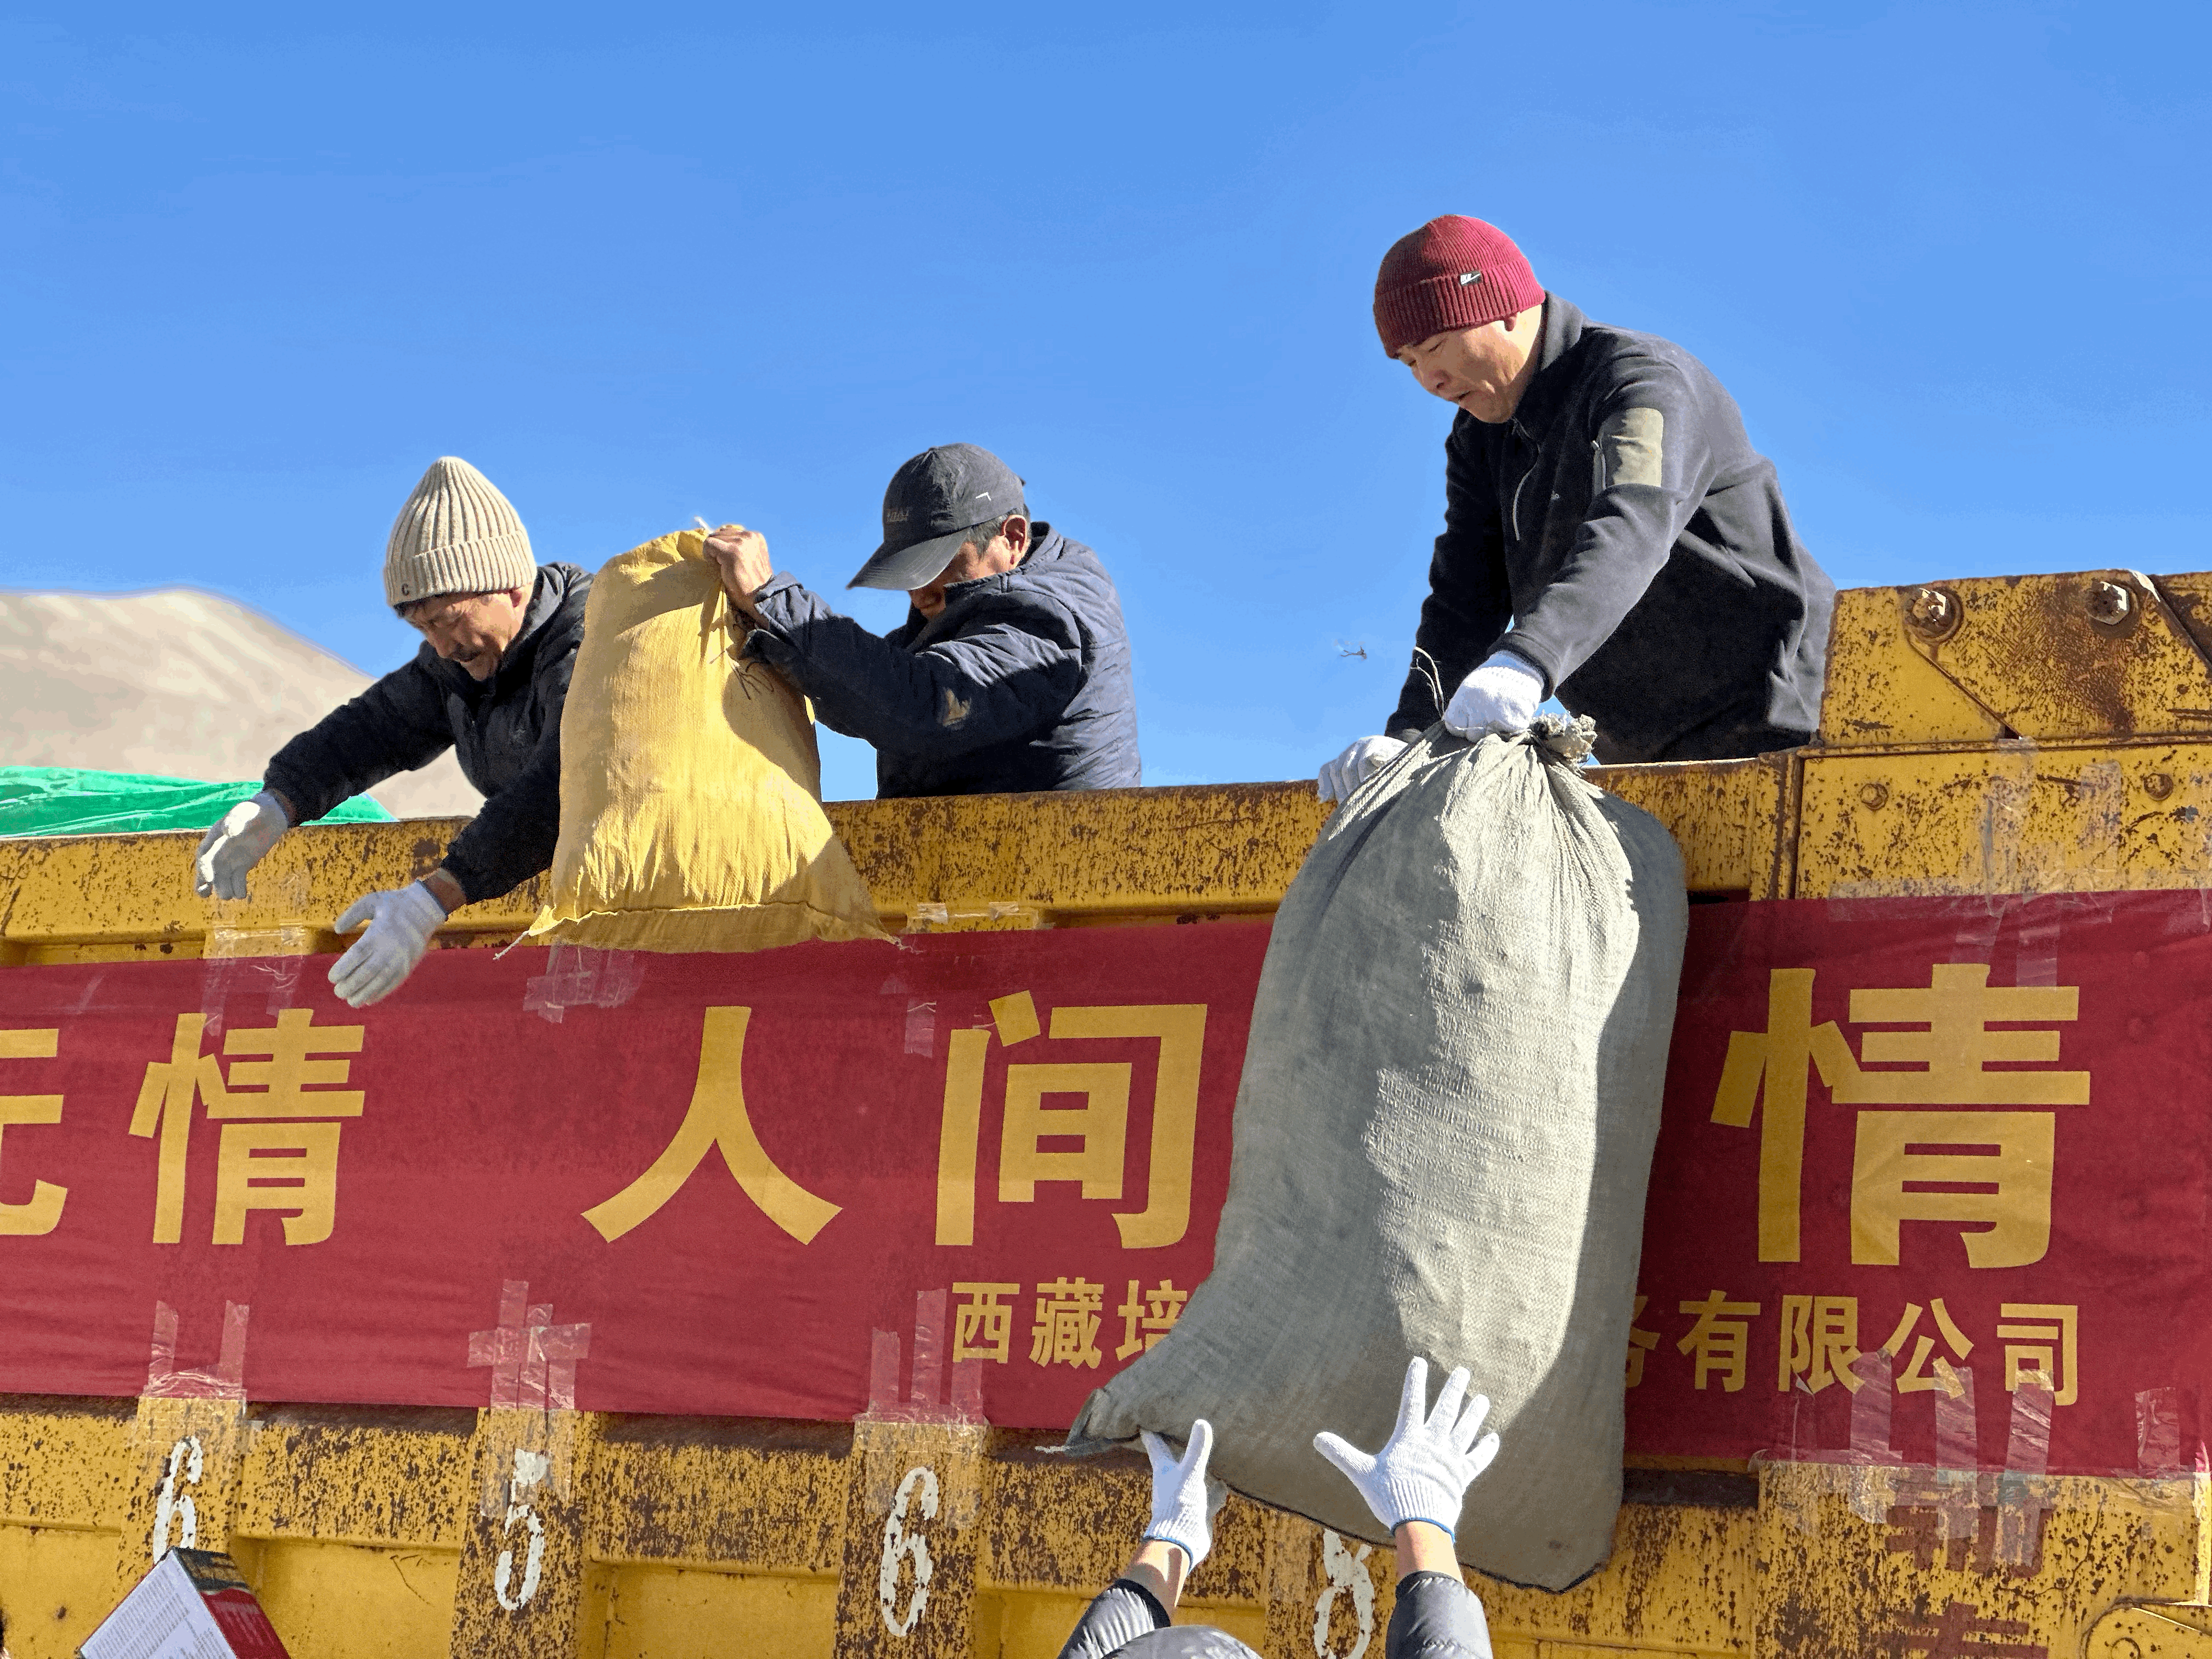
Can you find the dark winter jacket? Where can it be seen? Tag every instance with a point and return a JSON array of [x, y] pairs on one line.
[[1623, 525], [1436, 1617], [506, 732], [1021, 683]]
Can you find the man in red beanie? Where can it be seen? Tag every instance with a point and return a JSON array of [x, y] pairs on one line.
[[1611, 538]]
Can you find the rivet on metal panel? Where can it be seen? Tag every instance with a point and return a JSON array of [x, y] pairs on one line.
[[1874, 795], [1933, 613], [2107, 603], [2158, 785]]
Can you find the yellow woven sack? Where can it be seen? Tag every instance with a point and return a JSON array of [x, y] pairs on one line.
[[691, 788]]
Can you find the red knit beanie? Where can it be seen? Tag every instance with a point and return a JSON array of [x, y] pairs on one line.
[[1453, 273]]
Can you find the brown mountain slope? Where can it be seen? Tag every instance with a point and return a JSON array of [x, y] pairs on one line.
[[180, 683]]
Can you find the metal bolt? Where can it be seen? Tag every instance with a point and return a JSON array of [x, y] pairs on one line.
[[2108, 602], [2158, 785], [1932, 612], [1876, 795]]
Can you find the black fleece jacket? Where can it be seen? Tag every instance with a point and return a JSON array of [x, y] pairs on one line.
[[1623, 526], [506, 732]]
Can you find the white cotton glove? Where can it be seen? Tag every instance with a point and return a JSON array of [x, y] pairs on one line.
[[1185, 1498], [1425, 1469], [235, 846], [1501, 696], [1341, 776], [400, 923]]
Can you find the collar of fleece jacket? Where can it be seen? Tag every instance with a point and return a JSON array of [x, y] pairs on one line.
[[557, 598], [1554, 378]]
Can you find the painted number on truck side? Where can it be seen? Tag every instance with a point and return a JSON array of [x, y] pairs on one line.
[[1347, 1574], [918, 1490], [171, 1505]]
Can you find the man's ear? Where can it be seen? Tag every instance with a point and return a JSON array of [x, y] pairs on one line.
[[1015, 530], [520, 596]]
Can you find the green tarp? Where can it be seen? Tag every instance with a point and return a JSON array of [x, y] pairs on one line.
[[61, 800]]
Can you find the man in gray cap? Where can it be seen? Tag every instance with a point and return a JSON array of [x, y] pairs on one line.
[[1011, 671]]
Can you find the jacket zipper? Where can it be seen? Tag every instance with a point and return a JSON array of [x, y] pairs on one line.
[[1515, 514]]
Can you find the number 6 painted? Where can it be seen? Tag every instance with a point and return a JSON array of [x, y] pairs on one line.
[[899, 1542]]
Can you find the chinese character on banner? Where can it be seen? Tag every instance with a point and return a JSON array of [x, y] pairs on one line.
[[1639, 1343], [1156, 1311], [2048, 1345], [983, 1326], [716, 1120], [283, 1164], [1720, 1340], [1916, 1377], [1820, 1340], [1068, 1313], [41, 1212], [1995, 1164], [1100, 1124]]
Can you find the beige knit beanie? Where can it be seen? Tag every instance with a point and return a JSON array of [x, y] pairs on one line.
[[456, 534]]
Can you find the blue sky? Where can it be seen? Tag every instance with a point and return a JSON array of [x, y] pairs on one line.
[[258, 270]]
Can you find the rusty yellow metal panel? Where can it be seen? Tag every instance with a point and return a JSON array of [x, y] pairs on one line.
[[1725, 815], [56, 1585], [675, 1613], [1857, 1560], [1681, 1580], [2096, 654], [2014, 818], [1880, 691], [351, 1601], [2156, 1632]]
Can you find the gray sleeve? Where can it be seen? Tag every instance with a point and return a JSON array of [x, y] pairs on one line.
[[1436, 1617], [1121, 1615]]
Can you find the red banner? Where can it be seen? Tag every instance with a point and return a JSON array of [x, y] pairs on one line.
[[1931, 1186]]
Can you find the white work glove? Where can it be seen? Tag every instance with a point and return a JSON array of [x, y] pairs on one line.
[[1501, 696], [1341, 776], [1185, 1499], [235, 846], [400, 923], [1425, 1469]]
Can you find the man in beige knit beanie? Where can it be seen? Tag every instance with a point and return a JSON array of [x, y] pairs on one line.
[[500, 635]]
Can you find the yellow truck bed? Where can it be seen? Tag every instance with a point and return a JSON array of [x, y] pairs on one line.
[[2010, 737]]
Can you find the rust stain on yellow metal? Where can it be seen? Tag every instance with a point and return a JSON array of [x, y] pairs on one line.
[[2032, 735]]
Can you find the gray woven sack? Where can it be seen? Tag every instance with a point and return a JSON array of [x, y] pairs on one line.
[[1443, 1139]]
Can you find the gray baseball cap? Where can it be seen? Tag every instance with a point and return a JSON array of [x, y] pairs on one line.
[[933, 502]]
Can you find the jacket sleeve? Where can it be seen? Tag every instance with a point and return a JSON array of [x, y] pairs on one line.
[[1436, 1617], [1009, 675], [1122, 1612], [512, 838], [397, 725], [1469, 603], [1651, 464]]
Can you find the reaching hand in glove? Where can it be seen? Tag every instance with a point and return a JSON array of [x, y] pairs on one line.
[[1501, 696], [1185, 1498], [400, 923], [235, 846], [1425, 1469], [1356, 765]]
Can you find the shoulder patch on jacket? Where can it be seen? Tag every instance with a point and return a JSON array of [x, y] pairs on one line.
[[1631, 449]]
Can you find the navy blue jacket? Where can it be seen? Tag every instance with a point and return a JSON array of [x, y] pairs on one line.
[[1021, 683], [1637, 543], [506, 732]]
